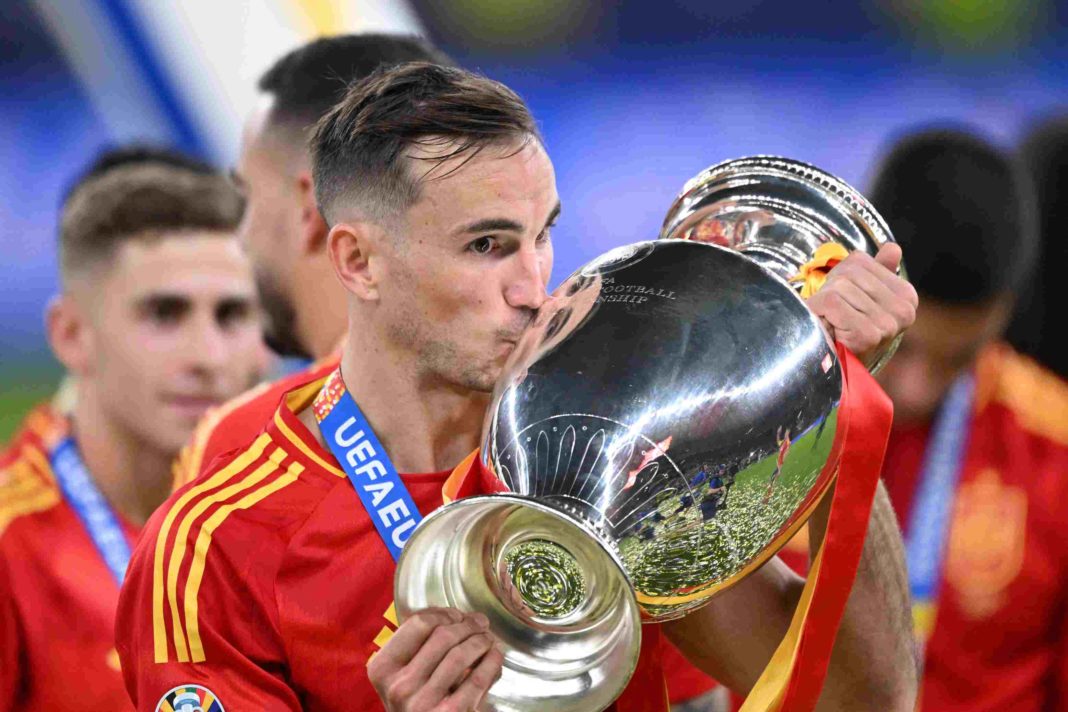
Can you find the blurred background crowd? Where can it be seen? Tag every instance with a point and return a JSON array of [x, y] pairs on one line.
[[633, 99]]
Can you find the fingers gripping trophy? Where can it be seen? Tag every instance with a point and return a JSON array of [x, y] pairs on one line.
[[662, 429]]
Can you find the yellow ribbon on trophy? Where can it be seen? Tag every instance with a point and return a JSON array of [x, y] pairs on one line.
[[814, 273]]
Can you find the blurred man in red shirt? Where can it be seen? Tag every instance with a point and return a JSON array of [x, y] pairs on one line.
[[157, 322], [282, 230], [978, 459]]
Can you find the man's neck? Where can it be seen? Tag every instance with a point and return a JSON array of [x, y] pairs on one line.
[[425, 425], [135, 478]]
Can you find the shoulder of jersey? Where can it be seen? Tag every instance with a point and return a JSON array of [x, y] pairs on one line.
[[247, 413], [236, 519], [27, 485], [1036, 397]]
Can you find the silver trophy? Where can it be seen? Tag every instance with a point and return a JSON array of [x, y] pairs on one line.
[[663, 428]]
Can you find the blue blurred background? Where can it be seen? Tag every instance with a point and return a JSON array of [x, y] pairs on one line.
[[633, 98]]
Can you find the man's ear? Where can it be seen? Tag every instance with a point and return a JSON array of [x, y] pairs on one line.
[[313, 229], [69, 334], [355, 252]]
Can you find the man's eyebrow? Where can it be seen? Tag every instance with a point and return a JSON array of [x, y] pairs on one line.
[[493, 225], [553, 215], [155, 300], [504, 224]]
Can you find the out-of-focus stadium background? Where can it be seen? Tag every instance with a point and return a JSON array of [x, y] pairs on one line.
[[633, 98]]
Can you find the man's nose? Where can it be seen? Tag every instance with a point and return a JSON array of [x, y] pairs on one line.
[[207, 344], [526, 286]]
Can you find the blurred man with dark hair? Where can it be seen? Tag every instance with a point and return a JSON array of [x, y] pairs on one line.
[[282, 230], [157, 321], [977, 462], [1044, 152], [266, 583]]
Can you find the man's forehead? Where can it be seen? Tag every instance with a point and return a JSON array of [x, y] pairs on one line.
[[195, 250], [497, 171]]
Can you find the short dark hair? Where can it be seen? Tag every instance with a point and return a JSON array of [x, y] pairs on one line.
[[963, 212], [135, 154], [358, 147], [141, 201], [308, 81]]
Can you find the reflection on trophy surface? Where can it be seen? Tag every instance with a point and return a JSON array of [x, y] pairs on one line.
[[664, 427]]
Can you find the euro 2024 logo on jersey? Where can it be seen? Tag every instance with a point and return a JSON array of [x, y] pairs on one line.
[[189, 698]]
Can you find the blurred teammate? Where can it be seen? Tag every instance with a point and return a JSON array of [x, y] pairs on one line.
[[282, 230], [1044, 151], [267, 581], [62, 402], [157, 321], [978, 459]]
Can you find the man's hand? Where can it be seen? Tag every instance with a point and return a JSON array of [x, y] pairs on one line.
[[863, 303], [439, 659]]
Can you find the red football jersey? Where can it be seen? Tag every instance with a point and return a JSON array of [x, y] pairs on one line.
[[1000, 636], [235, 423], [265, 582], [57, 596]]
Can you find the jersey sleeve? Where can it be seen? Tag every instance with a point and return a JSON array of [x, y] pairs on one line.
[[197, 607], [11, 668]]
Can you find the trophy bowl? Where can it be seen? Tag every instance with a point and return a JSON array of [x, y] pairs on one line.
[[665, 425], [778, 212]]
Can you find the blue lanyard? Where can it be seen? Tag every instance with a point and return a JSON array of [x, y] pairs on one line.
[[942, 465], [91, 507], [365, 461]]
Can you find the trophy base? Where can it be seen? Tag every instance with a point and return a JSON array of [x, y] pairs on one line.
[[558, 601]]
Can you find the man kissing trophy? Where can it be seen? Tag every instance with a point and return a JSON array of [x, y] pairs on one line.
[[672, 417]]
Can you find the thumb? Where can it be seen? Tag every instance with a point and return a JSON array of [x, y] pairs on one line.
[[889, 256]]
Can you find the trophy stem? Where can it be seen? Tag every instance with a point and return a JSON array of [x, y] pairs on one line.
[[557, 599]]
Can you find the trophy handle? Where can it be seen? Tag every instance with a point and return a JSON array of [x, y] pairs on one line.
[[557, 599], [778, 212]]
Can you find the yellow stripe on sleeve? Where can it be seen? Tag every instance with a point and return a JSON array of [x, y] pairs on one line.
[[182, 534], [240, 463], [203, 543]]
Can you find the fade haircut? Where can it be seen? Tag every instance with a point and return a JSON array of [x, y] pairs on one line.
[[134, 154], [140, 201], [359, 148], [308, 81], [963, 211]]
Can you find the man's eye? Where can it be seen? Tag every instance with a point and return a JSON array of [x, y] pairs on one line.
[[228, 315], [165, 312], [483, 245]]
